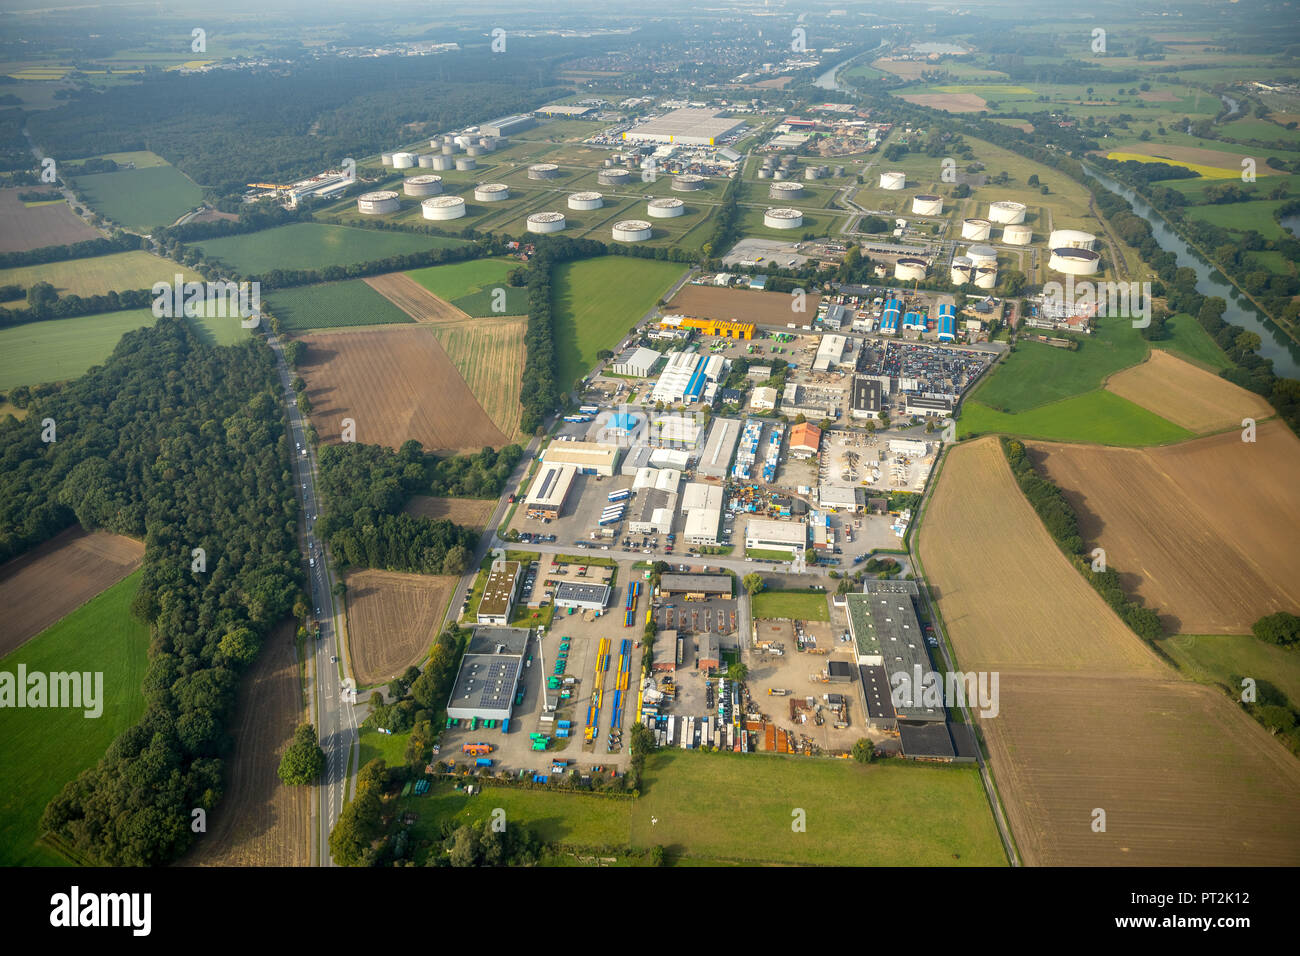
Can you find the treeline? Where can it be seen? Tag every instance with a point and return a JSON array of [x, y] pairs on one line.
[[724, 222], [288, 278], [473, 476], [44, 303], [252, 218], [182, 445], [541, 393], [365, 488], [86, 249], [1062, 523], [1145, 173]]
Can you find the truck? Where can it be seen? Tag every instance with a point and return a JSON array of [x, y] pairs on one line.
[[483, 762], [777, 692]]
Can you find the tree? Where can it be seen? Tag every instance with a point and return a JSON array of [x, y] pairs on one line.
[[738, 671], [864, 751], [1282, 628], [456, 560], [304, 761], [753, 583]]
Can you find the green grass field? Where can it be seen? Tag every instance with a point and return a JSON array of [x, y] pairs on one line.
[[391, 748], [1226, 659], [119, 272], [470, 286], [332, 305], [62, 349], [1241, 216], [313, 245], [1036, 374], [1097, 416], [41, 750], [797, 605], [596, 302], [140, 198], [1188, 340], [765, 554]]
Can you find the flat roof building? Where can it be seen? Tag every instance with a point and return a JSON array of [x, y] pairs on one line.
[[489, 674], [549, 490], [864, 398], [703, 585], [829, 353], [585, 597], [702, 505], [920, 405], [876, 690], [507, 125], [685, 127], [589, 458], [715, 461], [765, 534], [652, 513], [684, 377], [499, 594], [639, 362], [764, 398], [884, 617]]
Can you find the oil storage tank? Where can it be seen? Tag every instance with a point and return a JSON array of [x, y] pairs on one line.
[[783, 218], [491, 192], [443, 207], [613, 177], [785, 191], [976, 229], [925, 204], [403, 160], [1017, 235], [665, 208], [423, 186], [1005, 212], [378, 203], [1071, 239], [688, 182], [586, 200], [546, 222], [632, 230], [982, 256], [543, 171], [1075, 262], [963, 270], [893, 180]]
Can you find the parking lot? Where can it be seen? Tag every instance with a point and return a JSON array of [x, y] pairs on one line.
[[716, 615]]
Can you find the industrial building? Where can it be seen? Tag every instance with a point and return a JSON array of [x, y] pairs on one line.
[[709, 657], [549, 490], [720, 328], [499, 594], [702, 505], [921, 405], [684, 127], [489, 674], [829, 353], [913, 447], [684, 378], [878, 693], [883, 624], [589, 458], [698, 586], [891, 317], [653, 512], [763, 399], [805, 440], [947, 320], [864, 398], [638, 363], [765, 534], [583, 596], [507, 125], [715, 460]]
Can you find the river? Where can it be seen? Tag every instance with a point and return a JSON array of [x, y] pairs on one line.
[[827, 80], [1274, 343]]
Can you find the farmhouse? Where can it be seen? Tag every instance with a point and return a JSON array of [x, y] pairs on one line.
[[550, 489], [764, 534], [583, 596], [499, 594], [489, 674], [589, 458]]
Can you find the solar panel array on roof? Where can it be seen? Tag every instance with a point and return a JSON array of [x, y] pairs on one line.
[[489, 683]]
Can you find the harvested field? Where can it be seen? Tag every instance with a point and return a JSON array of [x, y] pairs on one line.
[[952, 102], [1193, 157], [489, 354], [392, 620], [57, 577], [395, 383], [1089, 717], [23, 227], [1186, 395], [467, 512], [740, 305], [1158, 96], [414, 299], [1203, 532], [260, 821], [907, 69]]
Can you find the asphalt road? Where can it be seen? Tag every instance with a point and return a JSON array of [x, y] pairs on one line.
[[333, 716]]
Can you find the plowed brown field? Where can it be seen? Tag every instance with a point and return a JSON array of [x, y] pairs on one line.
[[57, 577], [395, 383], [392, 620], [468, 512], [1186, 395], [260, 821], [1089, 717], [24, 227], [741, 305], [1203, 531], [952, 102], [414, 299]]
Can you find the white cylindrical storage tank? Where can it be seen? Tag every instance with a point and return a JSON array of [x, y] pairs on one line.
[[783, 219], [491, 192], [1071, 239], [403, 160], [909, 269], [546, 222], [765, 173], [425, 161], [785, 191], [474, 150], [927, 205], [687, 182], [439, 161], [1006, 212], [986, 278], [982, 256], [448, 149], [378, 203], [466, 162], [893, 180], [386, 158], [613, 177], [977, 229], [423, 186], [435, 143], [543, 171], [586, 201], [665, 208], [1075, 262], [1017, 235], [962, 270], [632, 230], [443, 207], [779, 174]]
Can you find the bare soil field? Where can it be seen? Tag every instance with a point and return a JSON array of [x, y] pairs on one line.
[[1196, 155], [952, 102], [467, 512], [489, 353], [1089, 717], [392, 620], [741, 305], [396, 382], [57, 577], [414, 299], [260, 821], [907, 69], [1021, 604], [1198, 400], [1203, 532], [23, 228]]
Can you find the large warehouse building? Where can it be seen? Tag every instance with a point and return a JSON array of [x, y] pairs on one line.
[[695, 585], [589, 458], [702, 506], [684, 378], [489, 674], [765, 534], [507, 125], [684, 127], [550, 489], [883, 623], [637, 363], [582, 595], [715, 460]]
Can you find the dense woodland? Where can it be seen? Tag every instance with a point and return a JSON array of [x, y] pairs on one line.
[[183, 445]]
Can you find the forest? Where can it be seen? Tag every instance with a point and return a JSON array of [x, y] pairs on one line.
[[182, 445]]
